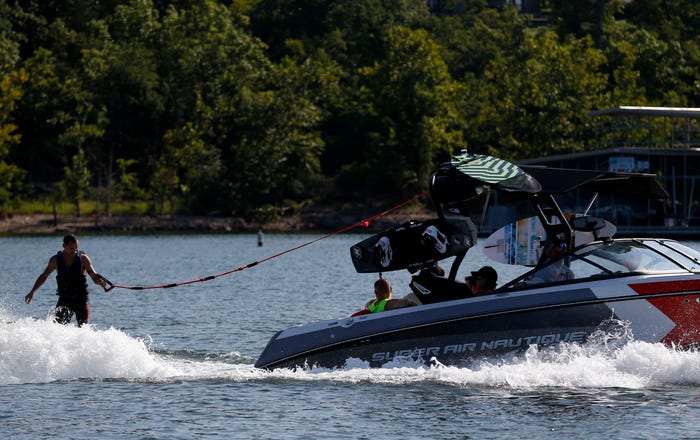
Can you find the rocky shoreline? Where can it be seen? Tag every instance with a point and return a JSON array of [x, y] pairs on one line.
[[311, 220]]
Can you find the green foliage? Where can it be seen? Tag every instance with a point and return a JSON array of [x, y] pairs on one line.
[[9, 44], [670, 20], [412, 94], [44, 205], [11, 176], [470, 41], [76, 183], [193, 167], [582, 18], [236, 106], [126, 186], [540, 97]]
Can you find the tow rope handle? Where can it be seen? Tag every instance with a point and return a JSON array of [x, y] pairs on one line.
[[109, 284]]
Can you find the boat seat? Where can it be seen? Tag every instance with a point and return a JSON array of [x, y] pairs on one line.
[[431, 288]]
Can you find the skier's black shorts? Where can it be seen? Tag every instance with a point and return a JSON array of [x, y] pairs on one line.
[[66, 307]]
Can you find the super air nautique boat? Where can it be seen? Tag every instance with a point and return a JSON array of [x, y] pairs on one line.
[[648, 286]]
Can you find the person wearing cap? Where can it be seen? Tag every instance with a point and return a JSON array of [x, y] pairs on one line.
[[483, 281], [554, 267]]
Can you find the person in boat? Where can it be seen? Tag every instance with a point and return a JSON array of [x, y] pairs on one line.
[[72, 266], [554, 267], [435, 270], [383, 300], [483, 281]]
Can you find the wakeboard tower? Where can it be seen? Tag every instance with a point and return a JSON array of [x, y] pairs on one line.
[[416, 245]]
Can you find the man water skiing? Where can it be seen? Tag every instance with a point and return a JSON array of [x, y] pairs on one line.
[[73, 296]]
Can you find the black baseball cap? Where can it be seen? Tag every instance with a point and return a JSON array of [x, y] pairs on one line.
[[488, 273]]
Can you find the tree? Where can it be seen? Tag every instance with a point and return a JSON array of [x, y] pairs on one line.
[[76, 180], [363, 26], [126, 186], [119, 66], [209, 66], [669, 20], [414, 98], [471, 39], [11, 176], [278, 145], [582, 18], [194, 168], [536, 103]]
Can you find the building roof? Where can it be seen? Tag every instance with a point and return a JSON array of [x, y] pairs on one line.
[[670, 112], [613, 152]]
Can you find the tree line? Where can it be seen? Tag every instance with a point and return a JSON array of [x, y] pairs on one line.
[[250, 106]]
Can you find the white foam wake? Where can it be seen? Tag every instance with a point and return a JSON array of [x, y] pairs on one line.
[[38, 351], [635, 365]]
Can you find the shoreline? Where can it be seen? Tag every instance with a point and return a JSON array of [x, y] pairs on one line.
[[325, 219], [311, 220]]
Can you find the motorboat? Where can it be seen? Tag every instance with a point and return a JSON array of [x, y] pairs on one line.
[[647, 289]]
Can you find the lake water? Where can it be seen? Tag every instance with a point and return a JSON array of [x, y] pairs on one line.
[[178, 363]]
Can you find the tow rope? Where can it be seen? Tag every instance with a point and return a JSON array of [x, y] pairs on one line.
[[364, 223]]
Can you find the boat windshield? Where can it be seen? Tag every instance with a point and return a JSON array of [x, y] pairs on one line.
[[687, 257], [615, 258]]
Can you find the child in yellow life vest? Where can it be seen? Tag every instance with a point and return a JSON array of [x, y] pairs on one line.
[[383, 300]]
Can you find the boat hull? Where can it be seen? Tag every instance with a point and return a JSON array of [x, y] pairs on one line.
[[457, 332]]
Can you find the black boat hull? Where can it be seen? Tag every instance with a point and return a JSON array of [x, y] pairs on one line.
[[455, 332]]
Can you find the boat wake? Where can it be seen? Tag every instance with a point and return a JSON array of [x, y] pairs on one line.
[[40, 351]]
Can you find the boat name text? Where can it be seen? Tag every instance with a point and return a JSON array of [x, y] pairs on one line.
[[473, 347]]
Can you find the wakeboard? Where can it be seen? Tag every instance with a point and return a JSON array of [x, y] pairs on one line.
[[413, 245], [520, 242]]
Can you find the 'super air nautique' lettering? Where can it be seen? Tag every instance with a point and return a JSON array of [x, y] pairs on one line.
[[549, 339], [473, 347], [414, 353]]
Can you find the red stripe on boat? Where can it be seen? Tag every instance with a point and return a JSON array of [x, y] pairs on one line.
[[684, 310]]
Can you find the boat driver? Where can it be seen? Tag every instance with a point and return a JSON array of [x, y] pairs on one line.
[[556, 270]]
